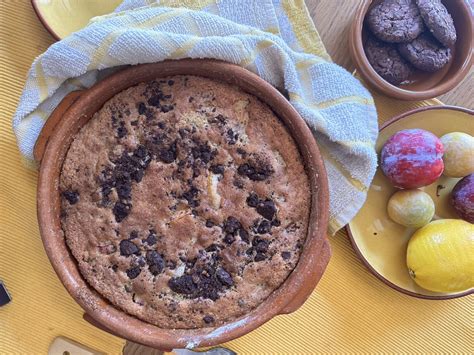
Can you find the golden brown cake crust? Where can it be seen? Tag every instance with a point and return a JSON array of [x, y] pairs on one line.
[[185, 202]]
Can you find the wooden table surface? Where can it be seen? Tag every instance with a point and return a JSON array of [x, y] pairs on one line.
[[332, 19]]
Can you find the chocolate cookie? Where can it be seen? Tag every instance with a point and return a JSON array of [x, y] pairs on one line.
[[438, 20], [395, 21], [425, 53], [386, 61]]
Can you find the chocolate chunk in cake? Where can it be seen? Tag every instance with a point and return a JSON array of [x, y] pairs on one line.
[[71, 196], [133, 272], [128, 248], [267, 209]]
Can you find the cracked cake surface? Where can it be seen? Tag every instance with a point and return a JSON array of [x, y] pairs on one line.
[[185, 202]]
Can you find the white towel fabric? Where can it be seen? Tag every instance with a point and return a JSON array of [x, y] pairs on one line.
[[260, 35]]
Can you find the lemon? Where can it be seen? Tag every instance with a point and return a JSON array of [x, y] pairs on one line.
[[440, 256]]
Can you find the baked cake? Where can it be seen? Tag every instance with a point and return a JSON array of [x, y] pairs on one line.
[[185, 202]]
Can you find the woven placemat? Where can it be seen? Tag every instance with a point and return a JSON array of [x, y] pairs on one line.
[[350, 311]]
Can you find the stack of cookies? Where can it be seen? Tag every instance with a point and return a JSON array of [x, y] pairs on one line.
[[409, 35]]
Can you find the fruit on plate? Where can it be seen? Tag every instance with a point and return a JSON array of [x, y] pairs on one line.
[[440, 256], [458, 155], [412, 158], [411, 208], [462, 198]]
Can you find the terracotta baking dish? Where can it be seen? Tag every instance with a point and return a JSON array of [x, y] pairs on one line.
[[77, 108]]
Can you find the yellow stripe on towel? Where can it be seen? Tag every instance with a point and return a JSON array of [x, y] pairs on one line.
[[346, 99], [43, 86], [102, 53], [359, 185], [304, 31], [184, 49], [273, 30], [305, 64], [190, 4], [333, 102], [334, 224], [251, 58]]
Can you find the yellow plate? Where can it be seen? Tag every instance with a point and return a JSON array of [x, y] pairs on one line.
[[381, 243], [63, 17]]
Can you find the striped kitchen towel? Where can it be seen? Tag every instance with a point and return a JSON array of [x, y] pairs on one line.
[[264, 36]]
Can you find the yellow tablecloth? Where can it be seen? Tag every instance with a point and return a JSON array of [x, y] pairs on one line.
[[350, 311]]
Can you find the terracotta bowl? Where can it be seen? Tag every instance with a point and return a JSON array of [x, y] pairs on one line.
[[78, 108], [422, 85]]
